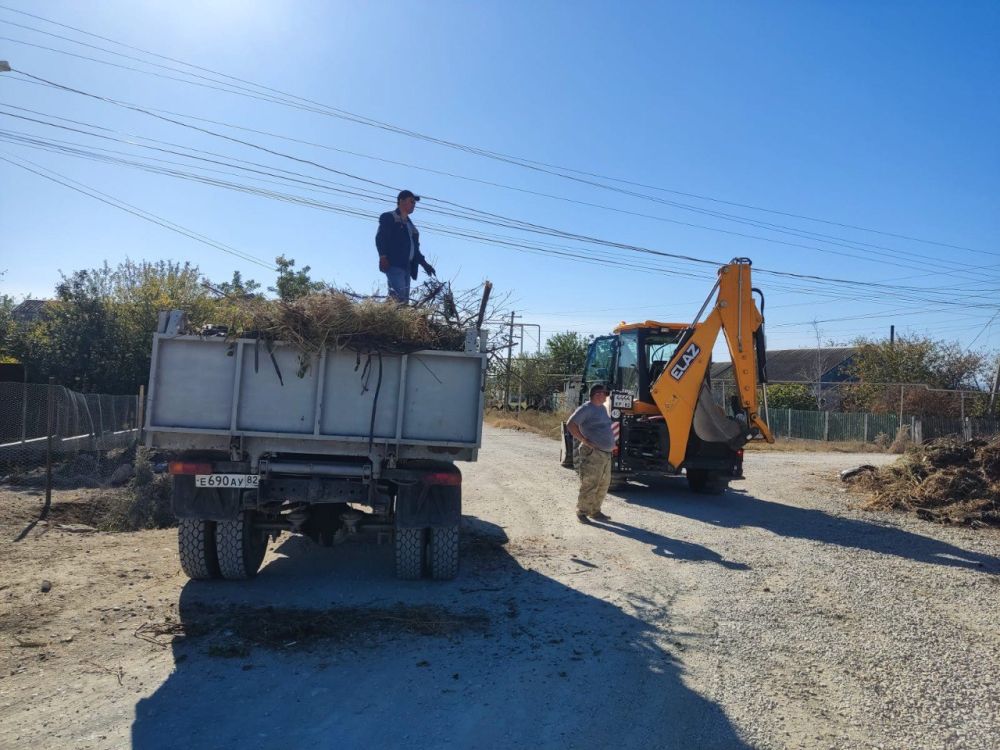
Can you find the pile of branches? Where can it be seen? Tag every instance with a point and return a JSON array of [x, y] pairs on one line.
[[341, 319], [945, 480]]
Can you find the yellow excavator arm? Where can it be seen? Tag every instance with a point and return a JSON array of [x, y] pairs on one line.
[[677, 390]]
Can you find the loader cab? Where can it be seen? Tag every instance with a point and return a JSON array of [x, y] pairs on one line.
[[632, 359]]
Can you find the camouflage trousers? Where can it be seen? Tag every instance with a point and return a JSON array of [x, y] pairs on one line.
[[595, 477]]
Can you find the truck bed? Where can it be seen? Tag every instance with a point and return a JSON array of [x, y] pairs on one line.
[[207, 392]]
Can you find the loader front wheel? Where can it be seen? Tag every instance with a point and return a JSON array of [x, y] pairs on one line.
[[707, 482]]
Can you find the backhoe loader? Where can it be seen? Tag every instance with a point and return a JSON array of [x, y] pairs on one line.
[[661, 397]]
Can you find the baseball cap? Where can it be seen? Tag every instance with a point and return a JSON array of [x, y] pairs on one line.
[[598, 388], [403, 194]]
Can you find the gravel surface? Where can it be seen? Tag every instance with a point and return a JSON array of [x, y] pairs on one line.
[[772, 616]]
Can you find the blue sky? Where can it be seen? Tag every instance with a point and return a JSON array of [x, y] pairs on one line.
[[881, 116]]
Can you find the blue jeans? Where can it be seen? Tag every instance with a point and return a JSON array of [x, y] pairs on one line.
[[399, 284]]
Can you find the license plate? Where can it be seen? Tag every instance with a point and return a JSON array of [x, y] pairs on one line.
[[621, 400], [234, 481]]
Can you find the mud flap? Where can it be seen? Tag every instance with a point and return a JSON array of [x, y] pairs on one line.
[[203, 504], [419, 505]]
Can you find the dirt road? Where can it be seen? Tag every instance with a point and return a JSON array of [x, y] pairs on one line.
[[769, 617]]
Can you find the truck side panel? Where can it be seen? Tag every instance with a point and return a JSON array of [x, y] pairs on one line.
[[211, 386]]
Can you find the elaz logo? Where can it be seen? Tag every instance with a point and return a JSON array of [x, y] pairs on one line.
[[689, 355]]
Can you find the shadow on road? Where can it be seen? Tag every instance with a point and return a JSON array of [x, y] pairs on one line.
[[737, 509], [663, 546], [553, 667]]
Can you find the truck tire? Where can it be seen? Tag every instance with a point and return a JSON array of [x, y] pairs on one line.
[[619, 481], [409, 553], [196, 546], [240, 547], [707, 482], [442, 553]]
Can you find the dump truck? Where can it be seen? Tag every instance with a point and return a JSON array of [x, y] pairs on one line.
[[265, 440], [661, 403]]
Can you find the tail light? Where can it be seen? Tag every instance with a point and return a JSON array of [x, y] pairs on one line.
[[445, 478], [188, 467]]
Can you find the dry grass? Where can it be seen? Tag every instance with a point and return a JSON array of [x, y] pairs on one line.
[[945, 480], [339, 319], [143, 504], [797, 445], [549, 424], [903, 441], [545, 423]]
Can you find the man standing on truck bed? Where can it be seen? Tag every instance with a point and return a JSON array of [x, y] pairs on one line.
[[591, 425], [398, 243]]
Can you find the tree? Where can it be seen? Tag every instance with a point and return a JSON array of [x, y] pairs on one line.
[[96, 335], [293, 284], [568, 352], [531, 377], [6, 326], [791, 396], [917, 371], [237, 288]]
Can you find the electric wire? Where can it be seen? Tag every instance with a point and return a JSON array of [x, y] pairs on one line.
[[880, 251], [76, 130], [520, 161]]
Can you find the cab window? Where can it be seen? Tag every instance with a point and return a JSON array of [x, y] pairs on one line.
[[600, 359], [628, 363], [659, 351]]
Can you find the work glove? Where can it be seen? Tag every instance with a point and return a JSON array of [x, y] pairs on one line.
[[383, 263], [429, 269]]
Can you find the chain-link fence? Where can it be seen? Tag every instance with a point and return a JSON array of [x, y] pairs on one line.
[[78, 423], [873, 428], [833, 424]]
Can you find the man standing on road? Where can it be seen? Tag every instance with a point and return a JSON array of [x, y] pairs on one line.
[[591, 425], [398, 243]]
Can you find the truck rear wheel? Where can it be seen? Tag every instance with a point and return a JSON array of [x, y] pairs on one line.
[[409, 553], [443, 553], [196, 546], [240, 547]]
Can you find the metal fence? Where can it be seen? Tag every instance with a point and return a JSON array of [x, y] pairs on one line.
[[871, 428], [77, 422]]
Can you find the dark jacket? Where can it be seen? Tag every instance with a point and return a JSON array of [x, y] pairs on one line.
[[393, 241]]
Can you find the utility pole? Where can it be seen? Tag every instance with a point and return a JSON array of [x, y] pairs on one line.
[[520, 381], [510, 351], [994, 387], [892, 336], [538, 341]]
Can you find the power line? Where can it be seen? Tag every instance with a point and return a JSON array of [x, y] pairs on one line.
[[880, 251], [478, 215], [129, 208], [556, 170], [452, 231]]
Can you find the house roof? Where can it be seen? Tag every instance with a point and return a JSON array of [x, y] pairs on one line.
[[790, 365], [29, 310]]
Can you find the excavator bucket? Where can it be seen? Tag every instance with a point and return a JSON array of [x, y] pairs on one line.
[[712, 425]]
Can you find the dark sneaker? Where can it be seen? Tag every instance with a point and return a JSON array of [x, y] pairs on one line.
[[598, 516], [582, 518]]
